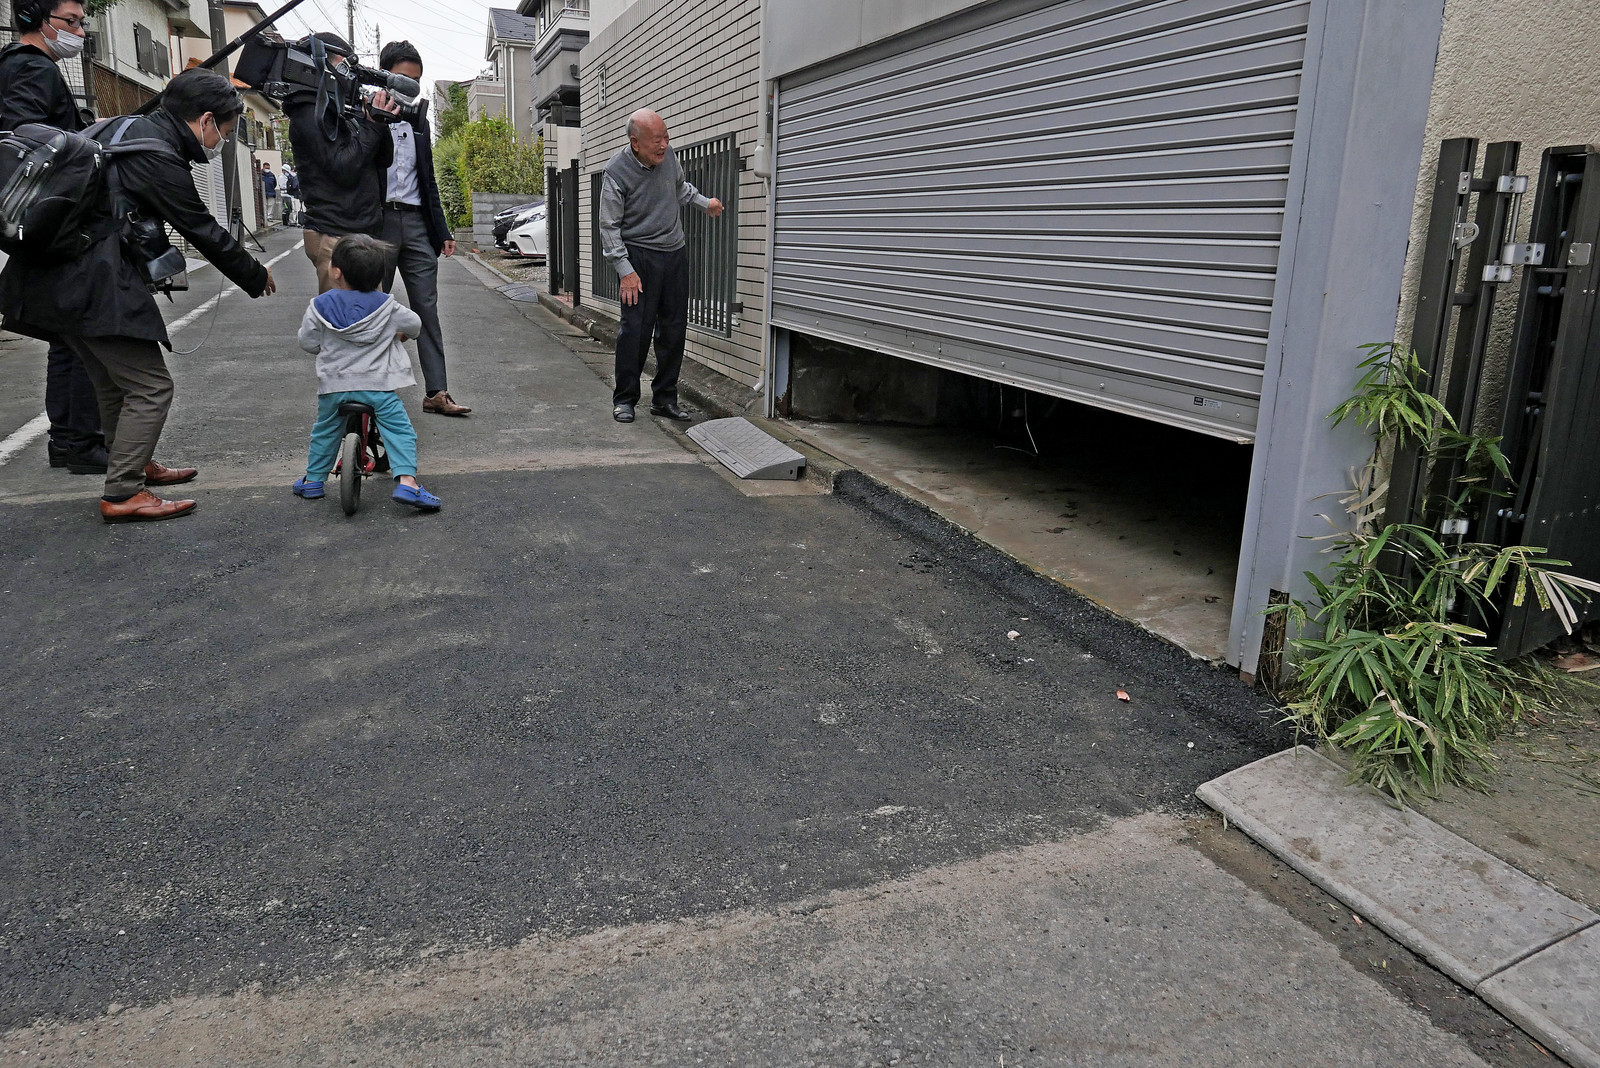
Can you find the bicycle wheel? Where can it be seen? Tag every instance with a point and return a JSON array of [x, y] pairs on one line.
[[350, 473]]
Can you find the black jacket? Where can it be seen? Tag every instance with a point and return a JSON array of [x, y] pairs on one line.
[[99, 294], [33, 90], [341, 181], [428, 184]]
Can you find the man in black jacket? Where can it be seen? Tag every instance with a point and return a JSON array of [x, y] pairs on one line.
[[341, 180], [99, 305], [414, 223], [33, 90]]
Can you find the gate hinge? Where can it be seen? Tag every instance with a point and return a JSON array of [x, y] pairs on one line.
[[1497, 272], [1517, 255], [1453, 526], [1512, 183], [1580, 254]]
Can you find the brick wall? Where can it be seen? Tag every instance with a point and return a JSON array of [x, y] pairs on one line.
[[697, 63]]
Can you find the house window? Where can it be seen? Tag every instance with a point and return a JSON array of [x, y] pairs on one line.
[[149, 56]]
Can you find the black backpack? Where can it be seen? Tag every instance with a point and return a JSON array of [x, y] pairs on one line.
[[52, 193]]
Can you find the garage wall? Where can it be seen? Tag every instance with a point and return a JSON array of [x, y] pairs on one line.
[[1085, 199], [697, 63]]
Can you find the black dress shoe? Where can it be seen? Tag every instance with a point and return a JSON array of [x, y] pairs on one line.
[[670, 410], [91, 461], [622, 413], [57, 454]]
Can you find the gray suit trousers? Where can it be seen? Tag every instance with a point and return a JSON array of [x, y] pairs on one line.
[[419, 270]]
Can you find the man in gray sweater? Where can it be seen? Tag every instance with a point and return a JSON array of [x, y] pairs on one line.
[[641, 236]]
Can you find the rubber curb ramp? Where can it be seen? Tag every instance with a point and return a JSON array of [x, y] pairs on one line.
[[747, 450], [1529, 951]]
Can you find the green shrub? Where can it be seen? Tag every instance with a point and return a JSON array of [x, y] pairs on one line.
[[1393, 664], [447, 171], [494, 161]]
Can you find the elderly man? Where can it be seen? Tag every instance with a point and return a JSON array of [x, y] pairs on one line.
[[641, 236]]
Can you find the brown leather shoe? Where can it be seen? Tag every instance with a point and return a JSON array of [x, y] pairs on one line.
[[144, 507], [157, 475], [442, 404]]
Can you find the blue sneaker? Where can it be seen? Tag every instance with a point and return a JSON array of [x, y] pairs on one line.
[[308, 489], [418, 498]]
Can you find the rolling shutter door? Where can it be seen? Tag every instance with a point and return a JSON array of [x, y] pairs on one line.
[[1084, 199]]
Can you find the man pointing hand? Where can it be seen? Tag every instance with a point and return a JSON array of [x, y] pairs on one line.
[[641, 236]]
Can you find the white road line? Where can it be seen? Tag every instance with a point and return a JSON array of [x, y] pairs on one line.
[[184, 320], [30, 431], [26, 435]]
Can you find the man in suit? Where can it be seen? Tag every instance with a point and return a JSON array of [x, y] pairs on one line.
[[414, 223], [32, 89]]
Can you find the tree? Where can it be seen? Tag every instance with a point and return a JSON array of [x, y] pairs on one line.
[[454, 116], [447, 170], [494, 161]]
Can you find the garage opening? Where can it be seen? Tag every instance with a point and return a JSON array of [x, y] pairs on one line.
[[1142, 517]]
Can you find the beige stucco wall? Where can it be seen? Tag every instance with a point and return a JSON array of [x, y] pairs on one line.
[[1508, 70]]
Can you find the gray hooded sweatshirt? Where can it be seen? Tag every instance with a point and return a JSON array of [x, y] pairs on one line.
[[353, 337]]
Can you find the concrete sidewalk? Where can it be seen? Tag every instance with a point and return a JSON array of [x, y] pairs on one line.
[[1526, 949]]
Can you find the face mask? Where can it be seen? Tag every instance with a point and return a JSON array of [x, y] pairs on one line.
[[67, 45], [214, 152]]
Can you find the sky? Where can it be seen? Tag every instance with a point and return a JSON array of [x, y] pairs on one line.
[[450, 34]]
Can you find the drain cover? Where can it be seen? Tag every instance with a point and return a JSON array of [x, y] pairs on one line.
[[747, 451]]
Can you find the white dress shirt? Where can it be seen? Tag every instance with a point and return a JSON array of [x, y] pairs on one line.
[[403, 186]]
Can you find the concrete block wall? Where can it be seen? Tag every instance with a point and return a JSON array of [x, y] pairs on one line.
[[484, 208], [697, 63]]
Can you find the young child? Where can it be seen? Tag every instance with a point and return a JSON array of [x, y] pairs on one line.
[[355, 332]]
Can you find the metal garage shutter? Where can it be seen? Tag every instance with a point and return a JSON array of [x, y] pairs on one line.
[[1084, 199]]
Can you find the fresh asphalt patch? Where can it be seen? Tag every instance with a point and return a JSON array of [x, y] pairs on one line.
[[267, 743]]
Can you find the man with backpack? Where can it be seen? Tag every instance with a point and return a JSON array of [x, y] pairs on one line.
[[32, 90], [99, 301]]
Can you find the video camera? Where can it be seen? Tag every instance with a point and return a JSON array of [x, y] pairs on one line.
[[283, 70]]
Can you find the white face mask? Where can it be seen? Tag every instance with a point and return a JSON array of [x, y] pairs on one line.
[[66, 45], [214, 152]]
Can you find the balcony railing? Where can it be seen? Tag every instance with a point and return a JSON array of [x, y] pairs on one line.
[[556, 15]]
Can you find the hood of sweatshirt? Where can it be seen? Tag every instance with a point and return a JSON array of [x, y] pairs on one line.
[[349, 312]]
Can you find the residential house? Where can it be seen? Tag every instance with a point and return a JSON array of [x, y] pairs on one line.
[[562, 28], [1187, 215], [509, 50]]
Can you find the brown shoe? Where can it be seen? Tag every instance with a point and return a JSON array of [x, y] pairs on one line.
[[144, 507], [441, 404], [157, 475]]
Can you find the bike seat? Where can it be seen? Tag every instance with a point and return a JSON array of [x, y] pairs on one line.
[[351, 407]]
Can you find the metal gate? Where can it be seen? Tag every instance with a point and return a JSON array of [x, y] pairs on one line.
[[1085, 199], [1550, 418], [561, 217]]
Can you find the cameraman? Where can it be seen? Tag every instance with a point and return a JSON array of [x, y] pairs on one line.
[[341, 180], [99, 304], [33, 90]]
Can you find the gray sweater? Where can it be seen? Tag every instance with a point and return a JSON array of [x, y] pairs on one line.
[[641, 206], [361, 355]]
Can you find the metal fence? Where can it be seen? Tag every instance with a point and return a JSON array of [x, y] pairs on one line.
[[712, 167], [605, 284]]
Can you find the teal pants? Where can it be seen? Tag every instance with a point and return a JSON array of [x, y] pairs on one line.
[[399, 437]]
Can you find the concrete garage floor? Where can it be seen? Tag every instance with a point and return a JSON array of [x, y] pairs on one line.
[[1141, 518]]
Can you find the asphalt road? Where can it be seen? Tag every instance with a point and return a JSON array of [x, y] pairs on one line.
[[607, 762]]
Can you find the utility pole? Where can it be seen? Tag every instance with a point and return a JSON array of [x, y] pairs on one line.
[[350, 17], [377, 43], [230, 147]]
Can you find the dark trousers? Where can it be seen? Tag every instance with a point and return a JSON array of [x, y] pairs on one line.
[[661, 313], [69, 401], [135, 391], [413, 254]]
